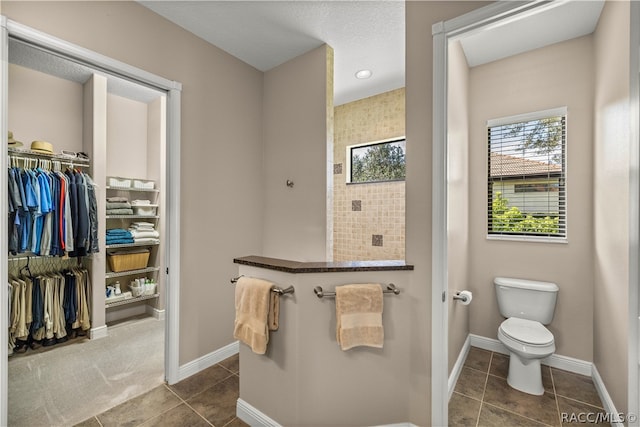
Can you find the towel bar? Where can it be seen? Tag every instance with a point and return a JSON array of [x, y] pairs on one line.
[[391, 289], [275, 289]]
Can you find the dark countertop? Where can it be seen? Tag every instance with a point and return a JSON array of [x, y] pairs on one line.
[[321, 267]]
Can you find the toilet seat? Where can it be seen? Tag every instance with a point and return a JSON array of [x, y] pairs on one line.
[[527, 332]]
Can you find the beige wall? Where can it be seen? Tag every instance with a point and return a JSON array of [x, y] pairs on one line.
[[221, 138], [555, 76], [305, 379], [295, 148], [611, 195], [45, 108], [379, 207], [126, 137], [458, 197], [420, 16]]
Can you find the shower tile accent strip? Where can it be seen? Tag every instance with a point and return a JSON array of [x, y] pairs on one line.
[[482, 396], [356, 205], [337, 168], [376, 240]]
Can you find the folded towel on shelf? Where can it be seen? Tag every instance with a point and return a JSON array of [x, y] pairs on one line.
[[142, 227], [146, 240], [118, 236], [118, 205], [119, 240], [252, 302], [139, 234], [117, 199], [142, 224], [119, 211], [118, 231], [359, 316], [140, 202]]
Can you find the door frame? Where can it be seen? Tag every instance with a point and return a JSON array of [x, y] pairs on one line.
[[443, 32], [634, 217], [109, 66]]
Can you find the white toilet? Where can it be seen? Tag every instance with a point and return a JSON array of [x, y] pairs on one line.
[[527, 305]]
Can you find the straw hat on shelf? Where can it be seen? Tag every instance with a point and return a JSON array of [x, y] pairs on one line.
[[42, 147], [12, 142]]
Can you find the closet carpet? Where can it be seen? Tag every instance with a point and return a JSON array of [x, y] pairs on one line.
[[72, 382]]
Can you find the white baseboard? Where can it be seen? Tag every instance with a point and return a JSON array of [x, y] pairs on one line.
[[255, 418], [155, 313], [609, 406], [207, 360], [488, 344], [99, 332], [457, 368], [398, 425], [565, 363], [252, 416]]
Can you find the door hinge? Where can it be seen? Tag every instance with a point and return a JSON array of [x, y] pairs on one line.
[[444, 296], [167, 270]]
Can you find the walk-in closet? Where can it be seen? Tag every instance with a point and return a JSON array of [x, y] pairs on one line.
[[86, 243]]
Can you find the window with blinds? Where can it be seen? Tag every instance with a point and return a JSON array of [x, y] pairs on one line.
[[526, 176]]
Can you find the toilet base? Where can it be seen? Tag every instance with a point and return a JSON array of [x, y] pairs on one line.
[[525, 376]]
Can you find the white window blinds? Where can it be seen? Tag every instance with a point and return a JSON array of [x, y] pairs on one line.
[[526, 175]]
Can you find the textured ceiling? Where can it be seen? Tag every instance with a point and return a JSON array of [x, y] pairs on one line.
[[265, 34]]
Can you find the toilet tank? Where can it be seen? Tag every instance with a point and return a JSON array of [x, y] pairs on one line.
[[526, 299]]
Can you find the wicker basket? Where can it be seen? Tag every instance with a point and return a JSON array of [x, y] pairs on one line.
[[125, 261]]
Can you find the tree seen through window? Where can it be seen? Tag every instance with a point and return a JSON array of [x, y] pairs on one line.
[[378, 162]]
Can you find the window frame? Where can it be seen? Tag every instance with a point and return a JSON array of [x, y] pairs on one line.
[[520, 118], [349, 159]]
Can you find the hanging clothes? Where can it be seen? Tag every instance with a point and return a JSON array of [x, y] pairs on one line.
[[52, 213], [49, 308]]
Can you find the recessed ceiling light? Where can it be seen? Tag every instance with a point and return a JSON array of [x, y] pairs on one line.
[[363, 74]]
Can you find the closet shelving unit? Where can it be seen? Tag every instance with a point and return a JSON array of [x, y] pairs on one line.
[[121, 126], [125, 220]]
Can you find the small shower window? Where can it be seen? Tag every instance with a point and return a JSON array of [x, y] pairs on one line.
[[526, 176], [377, 161]]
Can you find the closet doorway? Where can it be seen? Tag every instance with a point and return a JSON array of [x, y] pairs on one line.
[[126, 122]]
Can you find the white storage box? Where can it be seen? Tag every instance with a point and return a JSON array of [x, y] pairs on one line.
[[137, 290], [145, 209], [150, 288], [143, 185], [116, 182]]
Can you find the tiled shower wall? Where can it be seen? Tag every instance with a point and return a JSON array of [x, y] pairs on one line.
[[368, 218]]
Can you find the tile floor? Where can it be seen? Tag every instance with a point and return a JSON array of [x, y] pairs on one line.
[[482, 396], [205, 399]]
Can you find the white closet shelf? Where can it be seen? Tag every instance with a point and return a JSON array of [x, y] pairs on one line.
[[130, 245], [132, 216], [143, 190], [110, 275], [22, 152], [131, 300]]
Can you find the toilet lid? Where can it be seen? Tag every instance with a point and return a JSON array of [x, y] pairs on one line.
[[526, 331]]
